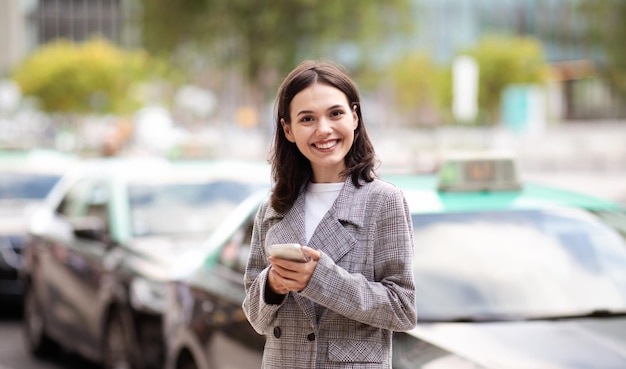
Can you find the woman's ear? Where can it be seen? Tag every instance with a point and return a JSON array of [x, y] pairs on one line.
[[287, 130], [355, 117]]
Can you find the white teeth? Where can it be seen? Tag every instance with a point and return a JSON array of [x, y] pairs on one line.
[[326, 145]]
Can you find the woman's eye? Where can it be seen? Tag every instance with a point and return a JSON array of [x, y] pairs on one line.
[[306, 119], [336, 113]]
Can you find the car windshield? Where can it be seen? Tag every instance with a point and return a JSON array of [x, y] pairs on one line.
[[183, 208], [29, 186], [517, 264]]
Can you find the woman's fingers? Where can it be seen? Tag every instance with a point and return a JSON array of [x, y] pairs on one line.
[[293, 275], [275, 282]]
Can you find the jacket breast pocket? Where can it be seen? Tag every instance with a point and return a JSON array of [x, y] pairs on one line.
[[355, 351]]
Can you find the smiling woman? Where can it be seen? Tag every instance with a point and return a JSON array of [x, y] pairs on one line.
[[322, 130], [340, 308]]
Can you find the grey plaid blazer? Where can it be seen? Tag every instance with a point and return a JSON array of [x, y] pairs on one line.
[[362, 288]]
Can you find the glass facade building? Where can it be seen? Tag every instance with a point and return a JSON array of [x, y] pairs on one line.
[[79, 20], [444, 27]]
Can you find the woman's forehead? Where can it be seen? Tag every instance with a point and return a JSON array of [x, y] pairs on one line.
[[318, 97]]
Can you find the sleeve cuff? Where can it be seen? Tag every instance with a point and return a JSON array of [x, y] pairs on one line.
[[271, 297]]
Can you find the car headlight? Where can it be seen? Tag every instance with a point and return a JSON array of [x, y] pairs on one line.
[[148, 295]]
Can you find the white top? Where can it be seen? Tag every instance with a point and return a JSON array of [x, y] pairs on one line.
[[318, 199]]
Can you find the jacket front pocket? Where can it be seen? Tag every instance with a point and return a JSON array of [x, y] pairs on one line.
[[351, 351]]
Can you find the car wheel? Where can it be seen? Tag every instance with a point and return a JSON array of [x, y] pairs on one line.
[[186, 362], [37, 341], [117, 351]]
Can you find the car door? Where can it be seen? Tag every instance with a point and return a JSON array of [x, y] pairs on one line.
[[230, 271], [75, 270]]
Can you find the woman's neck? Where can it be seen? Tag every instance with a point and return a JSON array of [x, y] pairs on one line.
[[328, 175]]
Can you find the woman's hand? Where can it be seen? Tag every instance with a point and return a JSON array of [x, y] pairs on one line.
[[285, 275]]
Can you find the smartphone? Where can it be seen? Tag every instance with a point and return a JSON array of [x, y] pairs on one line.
[[289, 251]]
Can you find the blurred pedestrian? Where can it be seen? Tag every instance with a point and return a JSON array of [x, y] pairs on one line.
[[339, 309]]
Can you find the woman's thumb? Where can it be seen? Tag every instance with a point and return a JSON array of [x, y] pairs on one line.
[[314, 254]]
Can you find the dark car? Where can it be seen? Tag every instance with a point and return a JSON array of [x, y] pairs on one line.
[[26, 177], [508, 275], [204, 324], [100, 250]]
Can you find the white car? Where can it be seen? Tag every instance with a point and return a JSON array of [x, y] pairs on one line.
[[97, 262]]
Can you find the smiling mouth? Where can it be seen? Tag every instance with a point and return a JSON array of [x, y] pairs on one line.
[[326, 145]]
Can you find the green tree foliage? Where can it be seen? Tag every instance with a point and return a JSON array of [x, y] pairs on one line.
[[261, 38], [415, 78], [502, 62], [606, 35], [422, 87], [94, 76]]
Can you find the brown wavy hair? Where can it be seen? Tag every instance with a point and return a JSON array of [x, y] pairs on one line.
[[290, 169]]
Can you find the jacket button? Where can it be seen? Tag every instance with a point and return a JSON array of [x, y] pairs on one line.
[[311, 337], [277, 332]]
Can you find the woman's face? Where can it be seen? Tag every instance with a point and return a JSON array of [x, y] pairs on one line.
[[322, 127]]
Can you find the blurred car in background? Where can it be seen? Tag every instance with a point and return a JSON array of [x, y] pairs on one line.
[[204, 324], [99, 251], [508, 275], [26, 177], [511, 274]]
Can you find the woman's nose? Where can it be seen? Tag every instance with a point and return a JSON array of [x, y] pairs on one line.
[[324, 127]]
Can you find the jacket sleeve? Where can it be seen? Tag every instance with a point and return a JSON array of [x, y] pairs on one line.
[[260, 313], [389, 301]]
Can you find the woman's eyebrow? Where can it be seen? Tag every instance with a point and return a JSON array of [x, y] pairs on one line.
[[337, 106], [305, 112]]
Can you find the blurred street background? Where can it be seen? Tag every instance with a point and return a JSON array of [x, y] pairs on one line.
[[542, 79]]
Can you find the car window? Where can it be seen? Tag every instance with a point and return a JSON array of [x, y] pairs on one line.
[[235, 253], [523, 263], [183, 208], [26, 185], [86, 198], [615, 219]]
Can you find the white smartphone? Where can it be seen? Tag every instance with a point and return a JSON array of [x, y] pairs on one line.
[[289, 251]]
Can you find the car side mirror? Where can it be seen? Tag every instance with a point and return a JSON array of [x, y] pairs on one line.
[[90, 228], [47, 225]]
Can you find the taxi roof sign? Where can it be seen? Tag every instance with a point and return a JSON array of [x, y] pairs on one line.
[[467, 173]]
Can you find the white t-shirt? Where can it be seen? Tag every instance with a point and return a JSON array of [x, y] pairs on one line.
[[318, 200]]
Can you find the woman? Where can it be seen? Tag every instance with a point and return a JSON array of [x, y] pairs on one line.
[[339, 309]]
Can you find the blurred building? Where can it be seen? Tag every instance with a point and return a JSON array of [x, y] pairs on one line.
[[446, 26], [79, 20], [11, 31], [26, 24]]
